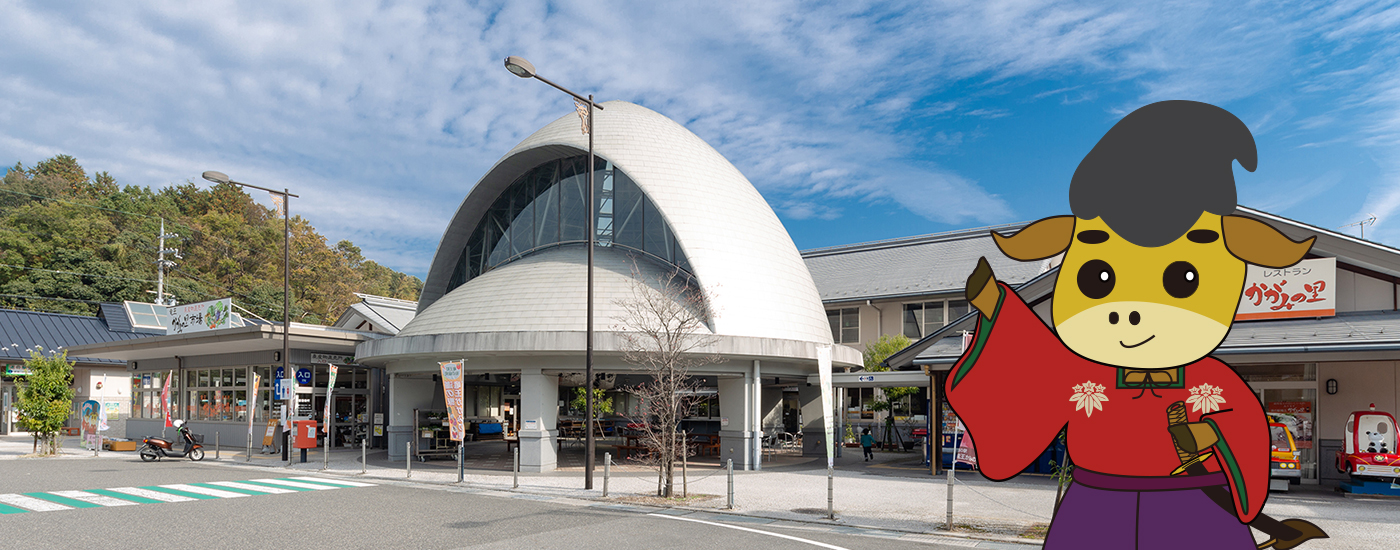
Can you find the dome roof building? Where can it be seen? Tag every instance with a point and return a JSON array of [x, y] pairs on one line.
[[507, 287]]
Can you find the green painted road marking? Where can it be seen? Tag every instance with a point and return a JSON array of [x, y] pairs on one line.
[[123, 496], [73, 502], [7, 509], [176, 492], [288, 487], [229, 489]]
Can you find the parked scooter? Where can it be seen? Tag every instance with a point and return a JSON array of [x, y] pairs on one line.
[[155, 448]]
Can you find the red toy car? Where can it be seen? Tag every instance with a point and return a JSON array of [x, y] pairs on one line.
[[1369, 451]]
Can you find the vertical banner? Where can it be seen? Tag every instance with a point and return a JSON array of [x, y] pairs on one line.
[[253, 401], [326, 415], [824, 369], [102, 409], [91, 410], [452, 392], [165, 400], [967, 453]]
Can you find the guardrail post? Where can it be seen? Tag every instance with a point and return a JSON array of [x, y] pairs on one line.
[[607, 471], [729, 466]]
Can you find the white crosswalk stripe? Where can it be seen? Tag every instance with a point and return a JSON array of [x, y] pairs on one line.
[[286, 483], [153, 495], [336, 481], [95, 499], [203, 491], [251, 487], [31, 503]]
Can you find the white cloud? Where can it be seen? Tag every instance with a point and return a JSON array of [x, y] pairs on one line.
[[381, 116]]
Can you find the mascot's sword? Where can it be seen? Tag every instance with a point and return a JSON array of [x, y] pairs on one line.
[[1283, 535]]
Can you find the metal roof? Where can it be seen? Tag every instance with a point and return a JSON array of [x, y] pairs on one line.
[[913, 266], [24, 330], [390, 314]]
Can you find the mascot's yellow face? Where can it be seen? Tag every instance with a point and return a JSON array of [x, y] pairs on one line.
[[1160, 307], [1148, 308]]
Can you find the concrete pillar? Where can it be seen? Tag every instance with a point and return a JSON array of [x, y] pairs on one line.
[[539, 401], [405, 395], [813, 426], [755, 424], [735, 439]]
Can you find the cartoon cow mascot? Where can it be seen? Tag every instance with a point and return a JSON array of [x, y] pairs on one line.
[[1170, 446]]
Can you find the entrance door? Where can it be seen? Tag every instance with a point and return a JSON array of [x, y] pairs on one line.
[[1295, 406]]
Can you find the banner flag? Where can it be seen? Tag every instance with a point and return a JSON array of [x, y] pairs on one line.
[[824, 369], [452, 392], [967, 453], [326, 416], [165, 400], [582, 109], [102, 410], [253, 401]]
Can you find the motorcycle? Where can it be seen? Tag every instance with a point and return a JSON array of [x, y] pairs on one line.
[[155, 448]]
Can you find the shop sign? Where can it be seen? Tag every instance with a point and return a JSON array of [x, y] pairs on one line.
[[1308, 289], [331, 358], [200, 317], [18, 370], [865, 378]]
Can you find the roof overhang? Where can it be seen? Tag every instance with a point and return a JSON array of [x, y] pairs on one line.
[[230, 340]]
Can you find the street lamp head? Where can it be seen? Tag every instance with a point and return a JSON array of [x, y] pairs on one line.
[[520, 67], [216, 177]]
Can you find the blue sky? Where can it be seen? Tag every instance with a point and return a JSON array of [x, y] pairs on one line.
[[857, 121]]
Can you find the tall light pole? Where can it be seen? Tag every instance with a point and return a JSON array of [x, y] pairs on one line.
[[220, 177], [518, 66]]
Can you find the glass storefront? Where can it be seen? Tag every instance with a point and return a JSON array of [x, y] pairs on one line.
[[1288, 393]]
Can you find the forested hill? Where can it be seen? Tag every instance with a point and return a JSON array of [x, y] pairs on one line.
[[69, 240]]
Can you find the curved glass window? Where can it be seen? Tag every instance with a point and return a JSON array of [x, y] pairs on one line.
[[546, 207]]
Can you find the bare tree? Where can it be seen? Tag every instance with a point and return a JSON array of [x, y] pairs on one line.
[[663, 331]]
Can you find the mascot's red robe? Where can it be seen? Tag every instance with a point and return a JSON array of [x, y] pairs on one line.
[[1017, 385]]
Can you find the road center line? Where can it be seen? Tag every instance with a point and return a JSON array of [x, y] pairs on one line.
[[736, 527]]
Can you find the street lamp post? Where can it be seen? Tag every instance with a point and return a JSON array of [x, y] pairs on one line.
[[220, 177], [518, 66]]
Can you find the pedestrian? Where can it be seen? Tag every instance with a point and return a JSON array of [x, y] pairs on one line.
[[867, 442]]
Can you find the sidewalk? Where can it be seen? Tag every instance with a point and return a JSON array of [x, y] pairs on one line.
[[891, 496]]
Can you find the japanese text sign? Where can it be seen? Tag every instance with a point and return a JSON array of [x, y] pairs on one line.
[[1308, 289], [452, 389], [211, 315]]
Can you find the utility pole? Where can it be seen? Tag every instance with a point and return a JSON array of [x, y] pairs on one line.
[[163, 264]]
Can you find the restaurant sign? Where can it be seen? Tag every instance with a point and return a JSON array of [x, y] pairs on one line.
[[1307, 289]]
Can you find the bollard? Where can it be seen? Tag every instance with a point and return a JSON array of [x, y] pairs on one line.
[[729, 465], [326, 453], [216, 445], [364, 466], [515, 476], [950, 495], [607, 470], [830, 510], [249, 456], [459, 463], [408, 445]]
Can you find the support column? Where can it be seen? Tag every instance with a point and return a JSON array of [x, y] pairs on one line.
[[756, 418], [735, 441], [813, 424], [539, 401], [405, 394]]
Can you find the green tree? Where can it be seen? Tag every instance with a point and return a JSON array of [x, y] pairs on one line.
[[875, 353], [46, 397], [602, 404]]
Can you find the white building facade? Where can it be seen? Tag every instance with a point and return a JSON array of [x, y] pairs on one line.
[[507, 287]]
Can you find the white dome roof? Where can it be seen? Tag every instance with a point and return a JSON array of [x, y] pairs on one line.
[[738, 250]]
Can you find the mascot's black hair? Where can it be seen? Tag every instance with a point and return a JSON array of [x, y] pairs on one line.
[[1155, 171]]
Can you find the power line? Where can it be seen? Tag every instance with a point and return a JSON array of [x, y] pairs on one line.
[[43, 298], [41, 197], [77, 273]]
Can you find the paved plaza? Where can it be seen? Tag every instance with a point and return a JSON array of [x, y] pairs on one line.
[[891, 496]]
